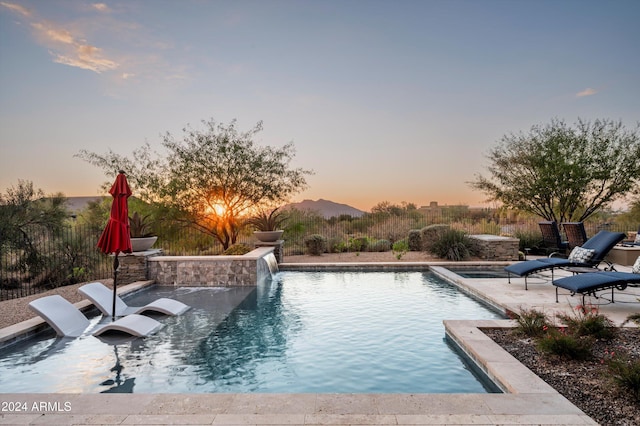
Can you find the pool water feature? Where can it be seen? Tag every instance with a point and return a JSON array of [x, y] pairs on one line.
[[333, 332]]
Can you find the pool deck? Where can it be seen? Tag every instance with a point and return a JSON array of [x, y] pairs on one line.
[[528, 399]]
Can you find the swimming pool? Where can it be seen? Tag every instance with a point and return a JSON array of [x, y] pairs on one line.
[[329, 332]]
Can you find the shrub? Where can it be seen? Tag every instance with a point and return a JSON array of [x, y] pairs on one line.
[[531, 323], [565, 345], [626, 373], [430, 234], [528, 239], [415, 240], [358, 244], [453, 244], [380, 246], [237, 249], [315, 244], [587, 321], [336, 245], [400, 247]]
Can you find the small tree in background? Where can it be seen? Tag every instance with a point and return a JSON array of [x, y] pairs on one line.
[[211, 178], [562, 173], [27, 217]]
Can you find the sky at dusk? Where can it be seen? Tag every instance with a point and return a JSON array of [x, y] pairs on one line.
[[384, 100]]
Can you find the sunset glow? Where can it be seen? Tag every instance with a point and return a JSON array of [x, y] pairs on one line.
[[384, 100]]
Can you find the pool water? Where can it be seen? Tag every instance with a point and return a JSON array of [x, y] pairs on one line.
[[337, 332]]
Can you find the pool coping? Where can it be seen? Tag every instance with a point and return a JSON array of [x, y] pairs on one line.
[[528, 399]]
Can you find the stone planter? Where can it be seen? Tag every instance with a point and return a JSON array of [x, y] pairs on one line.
[[142, 244], [268, 236]]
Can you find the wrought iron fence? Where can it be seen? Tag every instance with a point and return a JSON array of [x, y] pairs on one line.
[[50, 259], [71, 256]]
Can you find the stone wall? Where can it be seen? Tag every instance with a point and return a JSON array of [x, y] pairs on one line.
[[133, 266], [494, 247], [213, 271]]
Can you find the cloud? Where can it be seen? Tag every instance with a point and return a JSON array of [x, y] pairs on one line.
[[55, 35], [586, 92], [88, 58], [101, 7], [17, 8], [66, 46]]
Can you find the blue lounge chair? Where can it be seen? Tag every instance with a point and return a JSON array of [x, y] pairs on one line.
[[576, 234], [552, 238], [597, 248], [589, 284]]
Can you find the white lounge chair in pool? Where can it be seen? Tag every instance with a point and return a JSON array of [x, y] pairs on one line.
[[102, 297], [67, 320]]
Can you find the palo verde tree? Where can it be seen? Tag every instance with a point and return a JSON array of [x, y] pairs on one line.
[[564, 173], [214, 177]]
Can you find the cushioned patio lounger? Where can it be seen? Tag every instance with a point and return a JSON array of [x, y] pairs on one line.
[[598, 247], [102, 297], [67, 320], [590, 283]]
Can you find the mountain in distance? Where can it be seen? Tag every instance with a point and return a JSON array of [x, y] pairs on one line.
[[326, 208]]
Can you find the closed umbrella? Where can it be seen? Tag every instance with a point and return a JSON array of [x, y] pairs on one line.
[[115, 238]]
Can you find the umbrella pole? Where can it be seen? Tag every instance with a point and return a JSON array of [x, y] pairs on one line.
[[116, 265]]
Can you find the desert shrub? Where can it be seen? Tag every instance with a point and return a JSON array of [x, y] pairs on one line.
[[528, 239], [532, 323], [336, 245], [400, 247], [430, 234], [453, 244], [626, 373], [415, 240], [587, 321], [358, 244], [563, 344], [379, 246], [484, 226], [315, 244], [237, 249]]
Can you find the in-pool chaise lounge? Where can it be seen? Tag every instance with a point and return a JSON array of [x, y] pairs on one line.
[[592, 282], [102, 297], [590, 255], [67, 320]]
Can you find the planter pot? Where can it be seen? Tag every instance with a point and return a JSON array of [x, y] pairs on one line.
[[268, 236], [142, 244]]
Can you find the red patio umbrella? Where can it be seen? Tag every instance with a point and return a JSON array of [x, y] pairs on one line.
[[115, 238]]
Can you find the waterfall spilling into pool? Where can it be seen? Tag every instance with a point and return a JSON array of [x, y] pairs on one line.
[[272, 263]]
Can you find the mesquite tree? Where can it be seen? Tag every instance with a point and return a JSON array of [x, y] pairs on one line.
[[214, 177], [564, 173]]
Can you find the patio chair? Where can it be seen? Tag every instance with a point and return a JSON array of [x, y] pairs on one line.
[[552, 238], [67, 320], [576, 234], [590, 255], [590, 283], [102, 297]]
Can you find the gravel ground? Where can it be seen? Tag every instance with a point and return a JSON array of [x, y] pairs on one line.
[[587, 384], [17, 310]]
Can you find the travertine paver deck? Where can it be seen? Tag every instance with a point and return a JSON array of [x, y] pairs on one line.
[[529, 401]]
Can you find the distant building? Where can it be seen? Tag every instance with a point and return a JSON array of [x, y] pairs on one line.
[[434, 208]]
